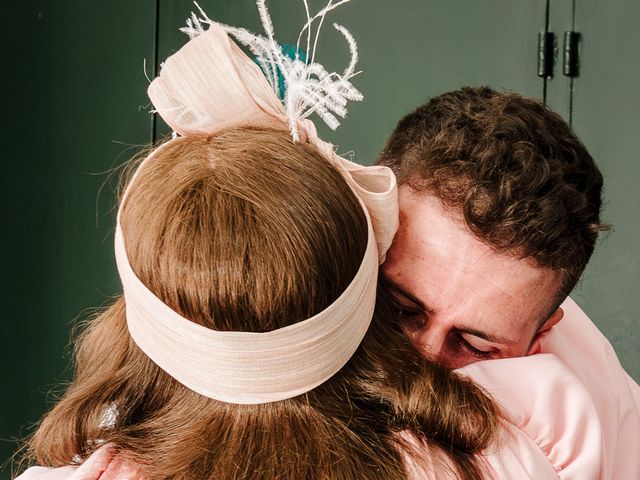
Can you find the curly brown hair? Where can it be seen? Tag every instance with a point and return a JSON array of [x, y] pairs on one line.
[[524, 183]]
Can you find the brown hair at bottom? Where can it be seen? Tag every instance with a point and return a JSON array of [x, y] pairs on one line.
[[247, 230]]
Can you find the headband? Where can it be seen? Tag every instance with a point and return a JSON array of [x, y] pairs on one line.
[[208, 85]]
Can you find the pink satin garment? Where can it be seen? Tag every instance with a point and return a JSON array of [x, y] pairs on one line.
[[578, 343], [573, 412]]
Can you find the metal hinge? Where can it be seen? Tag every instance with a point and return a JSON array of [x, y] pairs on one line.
[[546, 53], [570, 63]]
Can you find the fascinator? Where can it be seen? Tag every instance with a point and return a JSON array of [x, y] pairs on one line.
[[208, 85]]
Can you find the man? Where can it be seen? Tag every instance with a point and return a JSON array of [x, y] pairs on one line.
[[499, 215]]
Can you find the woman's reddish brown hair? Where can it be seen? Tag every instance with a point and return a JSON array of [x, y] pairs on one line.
[[247, 230]]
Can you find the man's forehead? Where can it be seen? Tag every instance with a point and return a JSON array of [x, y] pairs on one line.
[[431, 239], [417, 207]]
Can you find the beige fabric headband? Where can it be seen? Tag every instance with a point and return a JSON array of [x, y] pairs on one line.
[[208, 85]]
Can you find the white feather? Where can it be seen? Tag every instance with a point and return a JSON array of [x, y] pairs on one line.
[[309, 87], [353, 48], [306, 11]]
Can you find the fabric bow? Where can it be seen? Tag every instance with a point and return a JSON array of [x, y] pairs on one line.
[[212, 85]]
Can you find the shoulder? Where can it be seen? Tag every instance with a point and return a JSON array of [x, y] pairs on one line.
[[552, 427], [586, 352]]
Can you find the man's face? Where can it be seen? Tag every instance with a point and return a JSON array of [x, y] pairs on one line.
[[462, 301]]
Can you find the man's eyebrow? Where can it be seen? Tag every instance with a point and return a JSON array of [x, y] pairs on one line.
[[486, 336], [390, 283], [471, 331]]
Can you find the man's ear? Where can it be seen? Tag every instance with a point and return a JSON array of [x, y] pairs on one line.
[[546, 326], [551, 321]]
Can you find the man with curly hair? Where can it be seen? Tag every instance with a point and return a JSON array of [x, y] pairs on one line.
[[500, 212], [499, 215]]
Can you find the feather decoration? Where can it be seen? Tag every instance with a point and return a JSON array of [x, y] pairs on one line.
[[309, 87]]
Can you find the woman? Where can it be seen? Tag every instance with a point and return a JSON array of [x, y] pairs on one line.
[[248, 231]]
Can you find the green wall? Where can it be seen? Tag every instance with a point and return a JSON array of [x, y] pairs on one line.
[[78, 110], [606, 115], [74, 83]]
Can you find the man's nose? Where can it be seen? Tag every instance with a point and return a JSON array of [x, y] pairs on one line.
[[429, 341]]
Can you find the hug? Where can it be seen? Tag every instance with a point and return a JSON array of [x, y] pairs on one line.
[[289, 314]]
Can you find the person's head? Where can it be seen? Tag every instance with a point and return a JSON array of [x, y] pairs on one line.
[[500, 212], [248, 231]]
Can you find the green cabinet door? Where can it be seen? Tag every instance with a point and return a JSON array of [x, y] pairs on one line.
[[606, 116], [76, 101]]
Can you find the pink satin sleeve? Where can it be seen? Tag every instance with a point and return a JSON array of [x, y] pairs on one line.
[[552, 431], [572, 411], [578, 343]]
